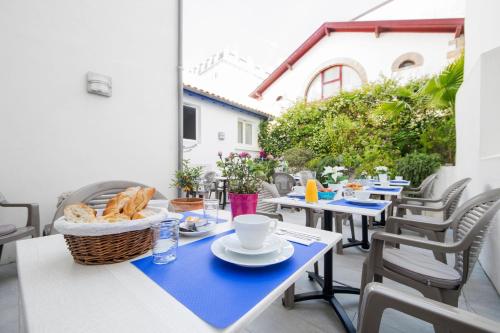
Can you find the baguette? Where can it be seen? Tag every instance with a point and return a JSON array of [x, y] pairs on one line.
[[139, 202], [115, 205], [80, 213]]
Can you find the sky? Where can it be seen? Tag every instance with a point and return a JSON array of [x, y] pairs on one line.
[[266, 31]]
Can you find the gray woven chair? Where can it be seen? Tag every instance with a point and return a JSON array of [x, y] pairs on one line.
[[96, 196], [431, 277], [268, 191], [284, 182], [433, 228], [10, 233], [377, 298], [207, 185], [424, 190], [446, 203]]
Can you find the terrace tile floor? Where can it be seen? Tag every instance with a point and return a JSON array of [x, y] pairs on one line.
[[478, 296]]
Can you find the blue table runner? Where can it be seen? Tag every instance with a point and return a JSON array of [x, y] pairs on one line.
[[343, 202], [218, 292]]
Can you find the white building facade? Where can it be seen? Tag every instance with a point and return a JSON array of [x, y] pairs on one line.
[[341, 56], [477, 117], [214, 124]]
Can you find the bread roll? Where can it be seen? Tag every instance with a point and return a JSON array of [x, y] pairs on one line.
[[80, 213]]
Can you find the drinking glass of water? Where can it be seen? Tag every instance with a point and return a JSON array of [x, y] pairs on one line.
[[211, 210], [165, 240]]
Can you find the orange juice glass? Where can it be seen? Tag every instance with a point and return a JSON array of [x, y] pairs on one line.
[[311, 191]]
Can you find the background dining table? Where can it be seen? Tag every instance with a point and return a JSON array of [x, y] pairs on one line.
[[58, 295]]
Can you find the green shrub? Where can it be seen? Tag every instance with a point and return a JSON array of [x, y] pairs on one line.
[[416, 166], [373, 125], [297, 158]]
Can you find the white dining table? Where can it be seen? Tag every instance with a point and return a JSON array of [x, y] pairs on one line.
[[57, 295], [330, 209]]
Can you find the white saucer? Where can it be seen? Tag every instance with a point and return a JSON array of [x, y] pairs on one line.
[[357, 201], [285, 252], [203, 230], [232, 243]]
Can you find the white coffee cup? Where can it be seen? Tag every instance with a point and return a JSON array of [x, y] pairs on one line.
[[362, 195], [398, 178], [382, 177], [252, 229], [299, 189]]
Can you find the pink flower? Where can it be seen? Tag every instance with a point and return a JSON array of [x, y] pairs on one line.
[[262, 154], [244, 154], [220, 154]]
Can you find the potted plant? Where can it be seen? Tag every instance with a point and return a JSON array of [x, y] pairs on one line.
[[334, 176], [382, 173], [187, 179], [244, 177]]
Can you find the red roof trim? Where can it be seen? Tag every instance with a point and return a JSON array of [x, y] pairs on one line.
[[448, 25]]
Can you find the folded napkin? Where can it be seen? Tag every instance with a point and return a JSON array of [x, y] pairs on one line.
[[297, 240]]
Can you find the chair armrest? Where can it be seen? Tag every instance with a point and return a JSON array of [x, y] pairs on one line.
[[423, 200], [276, 216], [427, 208], [417, 242], [33, 214], [377, 298], [393, 222]]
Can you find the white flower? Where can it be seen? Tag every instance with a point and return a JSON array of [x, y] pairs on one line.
[[381, 168], [327, 170]]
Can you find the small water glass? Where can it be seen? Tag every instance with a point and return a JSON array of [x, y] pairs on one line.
[[165, 241], [211, 210], [348, 192]]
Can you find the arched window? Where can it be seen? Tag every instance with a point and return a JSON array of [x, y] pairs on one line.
[[407, 61], [332, 81]]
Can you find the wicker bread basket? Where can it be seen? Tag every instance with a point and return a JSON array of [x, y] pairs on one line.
[[109, 249], [108, 243]]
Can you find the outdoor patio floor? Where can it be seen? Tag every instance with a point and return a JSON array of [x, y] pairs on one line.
[[478, 296]]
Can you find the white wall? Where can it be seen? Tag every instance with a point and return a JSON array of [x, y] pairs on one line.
[[477, 103], [56, 137], [215, 118], [423, 9], [375, 55]]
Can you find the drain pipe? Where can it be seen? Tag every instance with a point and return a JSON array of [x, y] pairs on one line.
[[180, 90]]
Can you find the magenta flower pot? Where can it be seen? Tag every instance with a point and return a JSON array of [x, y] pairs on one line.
[[242, 204]]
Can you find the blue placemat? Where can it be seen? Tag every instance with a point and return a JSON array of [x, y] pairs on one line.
[[218, 292], [399, 181], [187, 214], [396, 190], [343, 202]]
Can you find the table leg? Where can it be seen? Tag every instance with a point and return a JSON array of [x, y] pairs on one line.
[[224, 194], [338, 229], [382, 215], [364, 233], [328, 290]]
